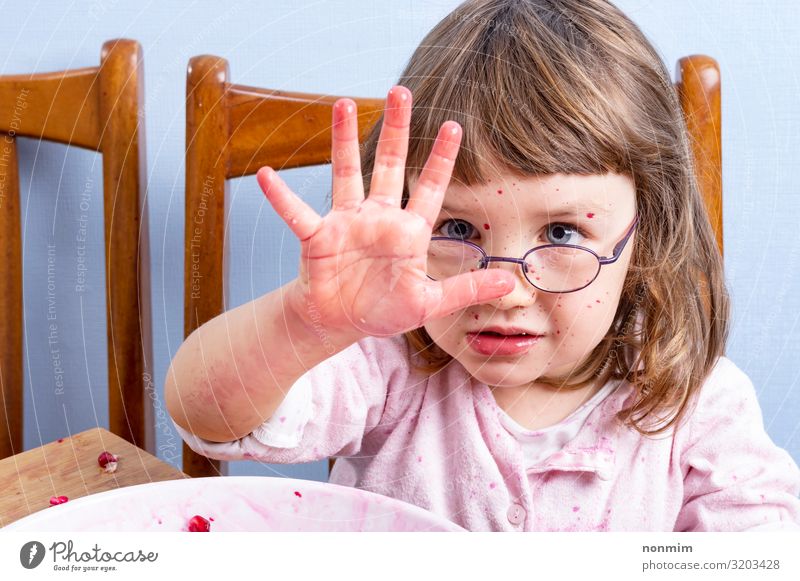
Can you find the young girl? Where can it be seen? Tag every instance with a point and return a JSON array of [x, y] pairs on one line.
[[584, 388]]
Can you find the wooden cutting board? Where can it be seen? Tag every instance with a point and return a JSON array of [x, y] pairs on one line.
[[69, 468]]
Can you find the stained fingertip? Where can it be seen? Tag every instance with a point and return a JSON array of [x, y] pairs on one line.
[[345, 106], [400, 93]]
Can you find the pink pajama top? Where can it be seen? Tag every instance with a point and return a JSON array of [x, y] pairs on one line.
[[441, 442]]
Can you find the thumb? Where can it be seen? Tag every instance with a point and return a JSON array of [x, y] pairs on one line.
[[459, 292]]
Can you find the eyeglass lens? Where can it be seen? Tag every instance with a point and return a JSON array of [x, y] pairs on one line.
[[552, 269]]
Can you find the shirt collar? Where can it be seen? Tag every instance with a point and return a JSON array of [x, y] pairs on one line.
[[594, 448]]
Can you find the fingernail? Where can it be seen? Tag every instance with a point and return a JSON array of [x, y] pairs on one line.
[[399, 94]]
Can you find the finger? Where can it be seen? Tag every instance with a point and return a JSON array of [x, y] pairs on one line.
[[348, 187], [390, 154], [426, 199], [459, 292], [299, 216]]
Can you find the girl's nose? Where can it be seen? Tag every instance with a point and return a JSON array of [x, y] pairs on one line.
[[524, 293]]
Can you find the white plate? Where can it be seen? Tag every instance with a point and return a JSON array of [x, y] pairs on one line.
[[235, 503]]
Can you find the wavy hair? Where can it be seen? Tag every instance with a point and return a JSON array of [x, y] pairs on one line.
[[574, 87]]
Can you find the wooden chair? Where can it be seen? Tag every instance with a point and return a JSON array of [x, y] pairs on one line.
[[233, 130], [98, 108]]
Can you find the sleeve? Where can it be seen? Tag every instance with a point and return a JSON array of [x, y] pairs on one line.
[[735, 477], [327, 412]]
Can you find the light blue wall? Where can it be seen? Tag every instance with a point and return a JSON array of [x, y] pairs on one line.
[[359, 48]]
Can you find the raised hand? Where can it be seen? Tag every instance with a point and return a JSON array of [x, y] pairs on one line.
[[362, 267]]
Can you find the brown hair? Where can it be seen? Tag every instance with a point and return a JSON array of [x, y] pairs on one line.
[[574, 87]]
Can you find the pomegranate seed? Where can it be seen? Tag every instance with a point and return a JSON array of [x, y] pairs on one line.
[[54, 500], [297, 494], [197, 524], [108, 462]]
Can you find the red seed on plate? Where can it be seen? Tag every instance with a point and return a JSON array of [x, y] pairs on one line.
[[297, 494], [197, 524], [54, 500], [108, 461]]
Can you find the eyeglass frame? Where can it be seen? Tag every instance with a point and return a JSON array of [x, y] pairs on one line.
[[602, 260]]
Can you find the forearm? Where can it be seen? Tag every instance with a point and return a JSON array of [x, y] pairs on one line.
[[231, 373]]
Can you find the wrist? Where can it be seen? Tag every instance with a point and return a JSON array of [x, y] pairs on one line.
[[304, 323]]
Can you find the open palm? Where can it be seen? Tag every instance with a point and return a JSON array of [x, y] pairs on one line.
[[362, 266]]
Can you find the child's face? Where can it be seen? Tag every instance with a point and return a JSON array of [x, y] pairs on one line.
[[508, 216]]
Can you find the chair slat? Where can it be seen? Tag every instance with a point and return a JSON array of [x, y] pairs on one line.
[[60, 107], [285, 129]]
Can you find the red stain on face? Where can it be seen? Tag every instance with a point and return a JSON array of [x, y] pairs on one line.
[[486, 226], [590, 215], [499, 191]]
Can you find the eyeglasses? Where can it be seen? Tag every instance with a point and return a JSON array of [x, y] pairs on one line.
[[552, 268]]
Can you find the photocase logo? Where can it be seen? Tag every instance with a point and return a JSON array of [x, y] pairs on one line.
[[31, 554]]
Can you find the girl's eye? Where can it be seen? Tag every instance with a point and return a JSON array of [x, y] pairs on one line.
[[564, 233], [455, 228]]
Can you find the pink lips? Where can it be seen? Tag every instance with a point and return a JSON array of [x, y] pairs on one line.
[[488, 344]]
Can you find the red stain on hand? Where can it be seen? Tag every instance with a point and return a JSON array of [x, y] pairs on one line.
[[590, 215], [499, 191], [486, 226]]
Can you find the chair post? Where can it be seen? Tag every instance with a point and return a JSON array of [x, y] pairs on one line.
[[698, 83], [207, 131], [11, 358], [127, 253]]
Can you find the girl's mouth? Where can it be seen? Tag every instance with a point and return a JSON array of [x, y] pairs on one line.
[[491, 343]]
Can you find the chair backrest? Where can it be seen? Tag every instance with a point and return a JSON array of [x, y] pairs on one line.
[[101, 109], [233, 130]]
